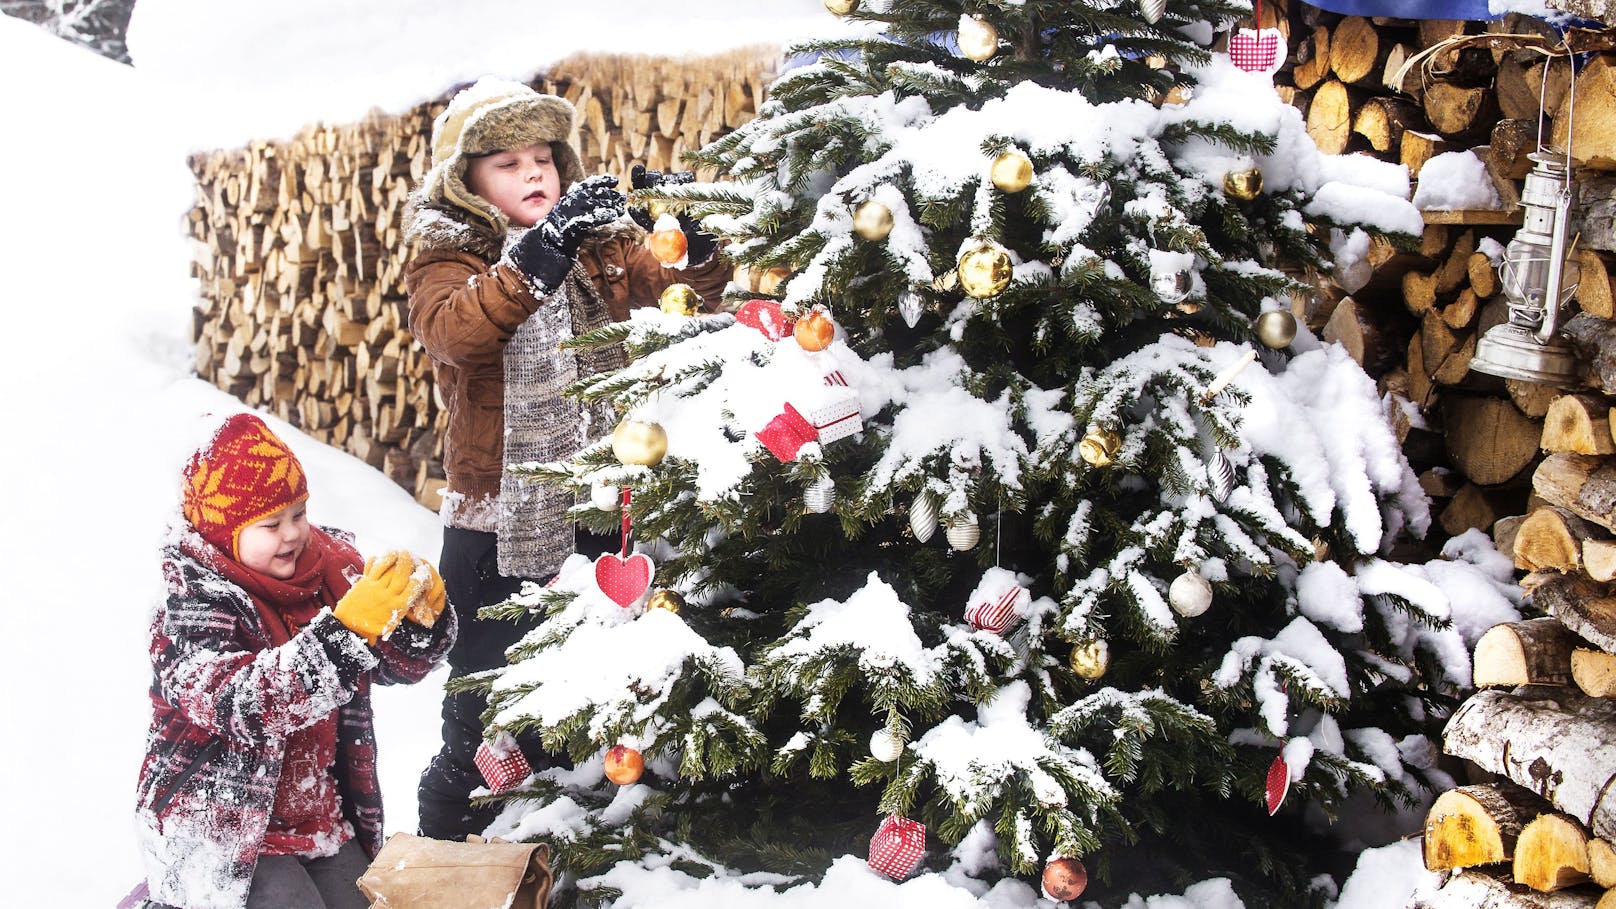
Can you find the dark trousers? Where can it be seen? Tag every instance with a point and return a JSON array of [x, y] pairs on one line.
[[291, 882], [470, 568]]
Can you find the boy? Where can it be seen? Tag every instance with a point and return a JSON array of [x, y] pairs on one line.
[[517, 252], [258, 788]]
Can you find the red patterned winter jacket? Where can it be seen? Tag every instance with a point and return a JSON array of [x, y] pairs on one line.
[[224, 701]]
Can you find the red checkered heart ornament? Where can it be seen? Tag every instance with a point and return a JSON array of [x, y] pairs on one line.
[[624, 580], [765, 316], [1279, 783], [501, 763], [897, 846], [1257, 50]]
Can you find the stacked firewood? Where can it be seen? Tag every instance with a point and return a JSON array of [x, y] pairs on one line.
[[1407, 90], [300, 256], [1539, 830]]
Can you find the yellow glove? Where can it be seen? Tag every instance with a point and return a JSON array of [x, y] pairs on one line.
[[376, 602], [425, 595]]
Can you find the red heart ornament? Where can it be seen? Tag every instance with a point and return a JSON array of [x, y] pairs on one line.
[[767, 317], [1279, 783], [624, 580], [1259, 50]]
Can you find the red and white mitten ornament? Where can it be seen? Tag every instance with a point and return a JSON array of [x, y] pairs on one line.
[[767, 317], [1279, 783], [501, 763], [897, 846], [999, 614], [785, 434], [624, 580]]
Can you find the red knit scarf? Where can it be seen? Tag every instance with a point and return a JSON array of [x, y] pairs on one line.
[[286, 606]]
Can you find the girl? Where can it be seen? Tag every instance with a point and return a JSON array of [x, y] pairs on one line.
[[258, 788]]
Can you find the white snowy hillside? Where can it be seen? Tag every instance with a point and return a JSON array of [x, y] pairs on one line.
[[98, 410]]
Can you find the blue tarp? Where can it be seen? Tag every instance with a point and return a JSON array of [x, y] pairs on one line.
[[1409, 9]]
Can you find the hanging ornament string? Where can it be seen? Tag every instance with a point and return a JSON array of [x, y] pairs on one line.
[[628, 498]]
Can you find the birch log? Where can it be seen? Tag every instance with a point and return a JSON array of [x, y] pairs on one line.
[[1478, 890], [1553, 741]]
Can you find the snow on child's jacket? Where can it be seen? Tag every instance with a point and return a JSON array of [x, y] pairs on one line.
[[247, 671]]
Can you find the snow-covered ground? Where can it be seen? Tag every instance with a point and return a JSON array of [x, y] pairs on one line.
[[98, 403]]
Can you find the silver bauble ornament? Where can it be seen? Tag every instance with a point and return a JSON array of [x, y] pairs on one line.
[[1276, 328], [820, 495], [1190, 594], [910, 307], [1152, 10], [1172, 286], [605, 497], [1220, 476], [923, 516], [964, 533], [885, 746]]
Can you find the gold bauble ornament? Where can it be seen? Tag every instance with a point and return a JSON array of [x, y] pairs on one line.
[[1090, 659], [680, 300], [1276, 328], [657, 209], [984, 270], [841, 7], [666, 599], [872, 220], [1011, 171], [978, 38], [637, 442], [1099, 447], [1244, 185], [769, 282]]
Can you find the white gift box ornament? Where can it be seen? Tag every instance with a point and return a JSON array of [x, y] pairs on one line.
[[832, 409]]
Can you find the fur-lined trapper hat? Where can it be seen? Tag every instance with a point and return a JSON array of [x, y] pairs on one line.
[[497, 115]]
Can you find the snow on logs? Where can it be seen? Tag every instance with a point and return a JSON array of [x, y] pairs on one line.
[[300, 255]]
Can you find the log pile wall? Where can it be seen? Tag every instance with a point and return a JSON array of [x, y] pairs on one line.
[[1405, 91], [300, 256]]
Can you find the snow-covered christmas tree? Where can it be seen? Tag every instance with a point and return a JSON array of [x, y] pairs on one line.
[[1012, 501]]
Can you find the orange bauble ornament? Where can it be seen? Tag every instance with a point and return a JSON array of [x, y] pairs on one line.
[[815, 331], [667, 245], [623, 764], [1065, 879]]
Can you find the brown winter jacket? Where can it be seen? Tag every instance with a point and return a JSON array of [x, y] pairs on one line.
[[464, 305]]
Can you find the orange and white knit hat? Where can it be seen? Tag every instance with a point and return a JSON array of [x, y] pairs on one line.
[[241, 475]]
